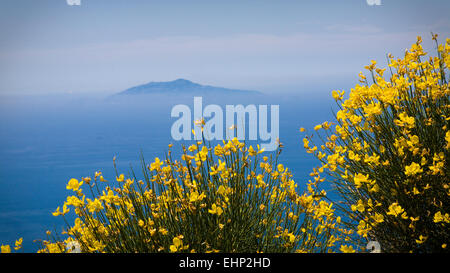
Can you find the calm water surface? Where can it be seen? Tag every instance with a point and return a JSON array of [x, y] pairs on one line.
[[45, 141]]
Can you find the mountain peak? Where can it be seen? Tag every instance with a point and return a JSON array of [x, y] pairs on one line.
[[180, 80], [179, 86]]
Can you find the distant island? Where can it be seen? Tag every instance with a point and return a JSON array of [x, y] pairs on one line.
[[182, 86]]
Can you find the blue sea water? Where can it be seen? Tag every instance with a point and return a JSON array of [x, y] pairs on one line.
[[45, 141]]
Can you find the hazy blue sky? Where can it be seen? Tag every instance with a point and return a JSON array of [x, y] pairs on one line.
[[47, 46]]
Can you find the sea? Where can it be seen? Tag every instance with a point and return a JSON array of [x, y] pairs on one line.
[[47, 140]]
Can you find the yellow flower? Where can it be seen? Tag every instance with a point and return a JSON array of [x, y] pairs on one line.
[[75, 201], [58, 213], [306, 143], [251, 151], [396, 210], [53, 248], [347, 249], [291, 237], [74, 184], [86, 179], [195, 196], [177, 243], [5, 249], [413, 169], [221, 190], [215, 210], [173, 248], [18, 244], [202, 155], [94, 206], [378, 218], [163, 231], [438, 217], [192, 148], [326, 125], [359, 179], [358, 207], [353, 156], [121, 178], [199, 122], [219, 150], [337, 95], [167, 169], [373, 159], [405, 121], [156, 165], [372, 109], [421, 239]]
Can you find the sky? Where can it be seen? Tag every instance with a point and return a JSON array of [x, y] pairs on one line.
[[106, 46]]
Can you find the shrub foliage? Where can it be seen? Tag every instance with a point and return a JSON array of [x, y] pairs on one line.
[[221, 199], [388, 152]]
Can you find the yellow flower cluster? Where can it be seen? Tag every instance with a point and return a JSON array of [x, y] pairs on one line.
[[389, 151], [7, 248], [215, 199]]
